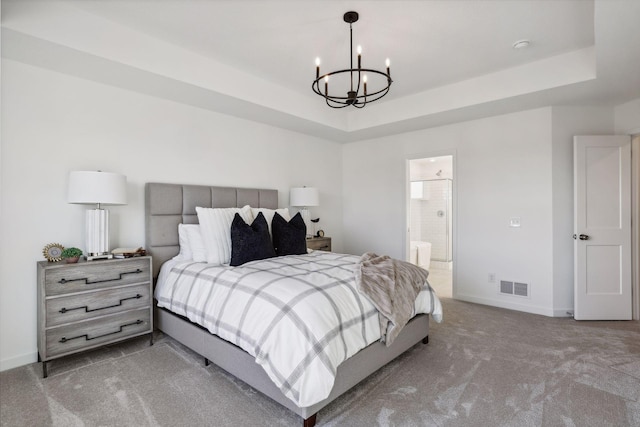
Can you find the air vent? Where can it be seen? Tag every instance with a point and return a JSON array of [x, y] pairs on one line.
[[514, 288], [506, 287], [521, 289]]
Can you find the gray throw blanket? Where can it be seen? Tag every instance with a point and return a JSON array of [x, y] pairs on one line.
[[392, 286]]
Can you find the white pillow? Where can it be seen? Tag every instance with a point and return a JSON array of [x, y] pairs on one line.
[[268, 215], [215, 227], [185, 253], [196, 243], [191, 244]]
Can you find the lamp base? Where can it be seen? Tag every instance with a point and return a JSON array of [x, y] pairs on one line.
[[306, 217], [93, 257], [97, 234]]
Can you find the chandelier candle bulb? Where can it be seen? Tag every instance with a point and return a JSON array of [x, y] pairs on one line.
[[364, 80], [388, 72], [326, 85], [359, 55], [317, 67]]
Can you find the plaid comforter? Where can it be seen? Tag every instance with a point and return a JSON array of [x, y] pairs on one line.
[[300, 316]]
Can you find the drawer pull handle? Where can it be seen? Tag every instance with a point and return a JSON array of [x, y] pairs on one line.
[[89, 310], [88, 338], [87, 282]]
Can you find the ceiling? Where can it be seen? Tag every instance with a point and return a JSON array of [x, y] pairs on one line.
[[450, 60], [430, 43]]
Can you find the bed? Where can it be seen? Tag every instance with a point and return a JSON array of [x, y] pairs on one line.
[[167, 206]]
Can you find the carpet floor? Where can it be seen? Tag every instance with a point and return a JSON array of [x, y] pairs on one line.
[[484, 366]]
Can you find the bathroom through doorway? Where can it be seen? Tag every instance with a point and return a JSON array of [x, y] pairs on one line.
[[430, 219]]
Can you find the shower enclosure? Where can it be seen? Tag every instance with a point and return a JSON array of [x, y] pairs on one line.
[[431, 216]]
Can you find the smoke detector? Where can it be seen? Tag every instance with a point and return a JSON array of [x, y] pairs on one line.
[[521, 44]]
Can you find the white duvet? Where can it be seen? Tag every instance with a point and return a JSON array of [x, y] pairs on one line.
[[300, 316]]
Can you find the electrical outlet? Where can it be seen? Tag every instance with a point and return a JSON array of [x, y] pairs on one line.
[[492, 277]]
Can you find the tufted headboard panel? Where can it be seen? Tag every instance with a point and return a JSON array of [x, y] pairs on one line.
[[167, 205]]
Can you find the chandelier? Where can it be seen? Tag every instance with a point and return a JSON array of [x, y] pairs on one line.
[[356, 76]]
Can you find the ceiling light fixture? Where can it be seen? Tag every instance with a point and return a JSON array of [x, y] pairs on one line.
[[357, 77]]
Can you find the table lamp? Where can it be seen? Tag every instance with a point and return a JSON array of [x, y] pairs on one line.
[[99, 188], [304, 197]]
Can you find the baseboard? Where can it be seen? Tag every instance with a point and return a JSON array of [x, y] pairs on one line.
[[563, 312], [14, 362], [508, 305]]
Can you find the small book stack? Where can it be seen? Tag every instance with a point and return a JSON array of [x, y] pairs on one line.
[[128, 252]]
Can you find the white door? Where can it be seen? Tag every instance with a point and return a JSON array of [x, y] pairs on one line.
[[602, 227]]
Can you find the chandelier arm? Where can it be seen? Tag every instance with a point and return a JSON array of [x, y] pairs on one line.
[[371, 95], [384, 89], [362, 104], [383, 93], [316, 83], [340, 104], [345, 103]]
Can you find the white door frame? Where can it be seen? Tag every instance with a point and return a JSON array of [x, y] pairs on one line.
[[454, 207], [635, 224]]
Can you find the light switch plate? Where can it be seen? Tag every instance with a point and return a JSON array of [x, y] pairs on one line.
[[514, 221]]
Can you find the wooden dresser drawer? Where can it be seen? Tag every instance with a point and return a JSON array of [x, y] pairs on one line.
[[96, 275], [92, 303], [96, 332], [87, 305], [319, 243]]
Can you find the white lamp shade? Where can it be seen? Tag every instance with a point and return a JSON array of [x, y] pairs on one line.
[[304, 196], [87, 187]]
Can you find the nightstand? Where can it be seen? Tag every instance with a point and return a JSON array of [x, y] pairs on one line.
[[91, 304], [319, 243]]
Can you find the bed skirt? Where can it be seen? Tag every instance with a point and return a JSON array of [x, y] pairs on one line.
[[242, 365]]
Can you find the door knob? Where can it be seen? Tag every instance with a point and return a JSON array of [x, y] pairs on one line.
[[583, 237]]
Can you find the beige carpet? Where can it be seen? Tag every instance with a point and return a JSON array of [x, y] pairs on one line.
[[483, 367]]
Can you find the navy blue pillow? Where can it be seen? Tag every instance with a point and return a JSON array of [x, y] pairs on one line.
[[250, 242], [289, 238]]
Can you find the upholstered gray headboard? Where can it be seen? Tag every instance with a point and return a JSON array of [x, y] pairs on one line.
[[167, 205]]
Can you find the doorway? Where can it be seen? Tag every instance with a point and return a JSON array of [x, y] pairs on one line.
[[430, 219]]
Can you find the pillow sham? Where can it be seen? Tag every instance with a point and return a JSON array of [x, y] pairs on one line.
[[196, 244], [191, 244], [185, 253], [250, 242], [289, 238], [268, 215], [215, 227]]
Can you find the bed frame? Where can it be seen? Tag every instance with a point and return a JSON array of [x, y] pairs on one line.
[[166, 206]]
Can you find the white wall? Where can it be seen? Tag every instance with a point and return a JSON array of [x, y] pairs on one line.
[[502, 169], [627, 118], [54, 123]]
